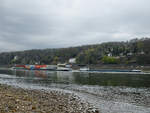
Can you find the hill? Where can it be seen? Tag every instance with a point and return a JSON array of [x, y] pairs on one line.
[[129, 52]]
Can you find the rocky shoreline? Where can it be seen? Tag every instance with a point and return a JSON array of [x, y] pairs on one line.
[[18, 100]]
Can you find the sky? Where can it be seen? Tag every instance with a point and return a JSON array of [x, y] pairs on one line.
[[39, 24]]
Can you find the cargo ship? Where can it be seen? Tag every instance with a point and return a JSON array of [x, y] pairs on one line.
[[36, 67]]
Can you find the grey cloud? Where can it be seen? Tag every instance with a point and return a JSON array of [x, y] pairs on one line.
[[62, 23]]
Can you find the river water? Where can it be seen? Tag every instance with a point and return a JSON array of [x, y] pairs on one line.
[[109, 92]]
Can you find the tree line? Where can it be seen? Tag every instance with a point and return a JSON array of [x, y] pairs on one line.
[[135, 51]]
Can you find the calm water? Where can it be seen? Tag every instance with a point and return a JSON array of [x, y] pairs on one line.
[[111, 93]]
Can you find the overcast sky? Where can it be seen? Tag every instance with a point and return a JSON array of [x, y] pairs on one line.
[[34, 24]]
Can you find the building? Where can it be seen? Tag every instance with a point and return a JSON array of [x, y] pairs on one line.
[[72, 60], [141, 53], [15, 57], [109, 54], [129, 54]]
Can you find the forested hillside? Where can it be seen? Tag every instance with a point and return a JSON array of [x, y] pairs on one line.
[[135, 51]]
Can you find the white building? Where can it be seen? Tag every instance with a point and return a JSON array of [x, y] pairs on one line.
[[109, 54], [72, 60], [15, 57], [130, 54], [142, 53]]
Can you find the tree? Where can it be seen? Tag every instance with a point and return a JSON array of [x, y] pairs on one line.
[[110, 60], [55, 60]]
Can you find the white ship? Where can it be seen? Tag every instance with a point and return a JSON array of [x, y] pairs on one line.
[[84, 69], [63, 67]]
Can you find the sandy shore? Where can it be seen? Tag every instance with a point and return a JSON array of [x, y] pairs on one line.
[[17, 100]]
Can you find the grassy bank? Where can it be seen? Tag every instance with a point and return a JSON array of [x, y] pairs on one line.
[[17, 100]]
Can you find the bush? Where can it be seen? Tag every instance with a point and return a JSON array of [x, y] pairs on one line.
[[110, 60]]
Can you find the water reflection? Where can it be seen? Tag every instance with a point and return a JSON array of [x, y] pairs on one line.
[[80, 78], [112, 79]]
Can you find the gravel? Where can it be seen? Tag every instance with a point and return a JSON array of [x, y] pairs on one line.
[[18, 100]]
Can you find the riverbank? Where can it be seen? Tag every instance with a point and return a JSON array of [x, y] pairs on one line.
[[17, 100]]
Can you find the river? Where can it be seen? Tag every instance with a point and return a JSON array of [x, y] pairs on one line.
[[109, 92]]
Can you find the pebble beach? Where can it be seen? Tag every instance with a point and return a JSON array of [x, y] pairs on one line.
[[18, 100]]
